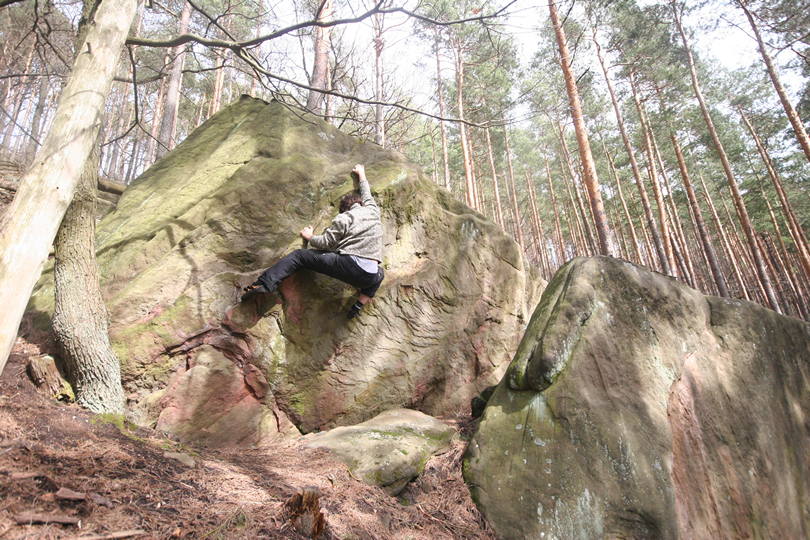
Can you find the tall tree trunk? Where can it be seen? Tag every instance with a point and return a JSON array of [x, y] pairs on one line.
[[469, 179], [157, 115], [537, 223], [793, 116], [377, 22], [80, 316], [588, 166], [557, 229], [323, 36], [219, 83], [36, 124], [628, 218], [498, 207], [651, 168], [679, 242], [745, 221], [17, 103], [642, 191], [585, 223], [784, 262], [31, 222], [512, 189], [168, 124], [732, 258], [794, 228], [705, 240], [442, 112]]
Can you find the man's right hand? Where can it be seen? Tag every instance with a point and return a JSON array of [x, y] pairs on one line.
[[359, 170]]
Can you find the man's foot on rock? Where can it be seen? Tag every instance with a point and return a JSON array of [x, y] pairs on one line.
[[354, 311], [257, 287]]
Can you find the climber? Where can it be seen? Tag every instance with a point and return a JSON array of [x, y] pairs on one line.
[[350, 249]]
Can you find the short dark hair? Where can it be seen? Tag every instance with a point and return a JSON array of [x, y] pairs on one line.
[[348, 200]]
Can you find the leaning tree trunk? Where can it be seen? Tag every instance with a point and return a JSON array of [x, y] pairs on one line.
[[703, 233], [790, 217], [645, 201], [793, 116], [745, 221], [31, 222], [80, 317], [659, 200], [588, 166]]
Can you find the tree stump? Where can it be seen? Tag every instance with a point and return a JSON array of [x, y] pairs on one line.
[[46, 377]]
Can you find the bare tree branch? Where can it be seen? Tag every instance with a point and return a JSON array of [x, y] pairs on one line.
[[236, 45]]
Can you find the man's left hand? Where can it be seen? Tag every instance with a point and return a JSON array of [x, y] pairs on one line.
[[306, 233]]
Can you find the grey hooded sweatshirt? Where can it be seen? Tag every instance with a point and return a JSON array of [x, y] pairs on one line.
[[357, 231]]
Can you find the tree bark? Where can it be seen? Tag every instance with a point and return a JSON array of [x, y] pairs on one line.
[[168, 124], [31, 222], [321, 61], [745, 221], [80, 316], [588, 166]]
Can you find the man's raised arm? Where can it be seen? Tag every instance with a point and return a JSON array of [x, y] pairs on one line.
[[362, 184]]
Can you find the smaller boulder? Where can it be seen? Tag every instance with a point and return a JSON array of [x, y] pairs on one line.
[[389, 450]]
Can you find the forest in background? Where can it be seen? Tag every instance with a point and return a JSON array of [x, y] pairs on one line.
[[691, 169]]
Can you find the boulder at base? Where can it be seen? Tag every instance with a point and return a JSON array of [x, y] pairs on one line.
[[389, 450], [227, 203], [636, 407]]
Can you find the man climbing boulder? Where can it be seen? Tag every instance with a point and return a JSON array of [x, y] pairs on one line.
[[349, 249]]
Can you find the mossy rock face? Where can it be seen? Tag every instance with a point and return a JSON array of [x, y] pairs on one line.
[[389, 450], [636, 407], [227, 203]]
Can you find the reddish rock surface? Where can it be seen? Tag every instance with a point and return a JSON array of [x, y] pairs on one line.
[[636, 407]]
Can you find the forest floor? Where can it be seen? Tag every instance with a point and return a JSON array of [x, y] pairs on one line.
[[66, 473]]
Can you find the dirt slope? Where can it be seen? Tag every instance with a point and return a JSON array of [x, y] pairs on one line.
[[131, 485]]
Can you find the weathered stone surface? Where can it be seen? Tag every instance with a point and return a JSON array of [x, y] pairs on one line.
[[389, 450], [227, 203], [636, 407]]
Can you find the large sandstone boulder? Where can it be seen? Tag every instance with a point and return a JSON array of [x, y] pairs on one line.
[[636, 407], [389, 450], [227, 203]]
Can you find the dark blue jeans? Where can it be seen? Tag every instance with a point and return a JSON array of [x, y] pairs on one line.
[[332, 264]]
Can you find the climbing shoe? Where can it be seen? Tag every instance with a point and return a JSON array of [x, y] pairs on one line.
[[354, 311], [257, 287]]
